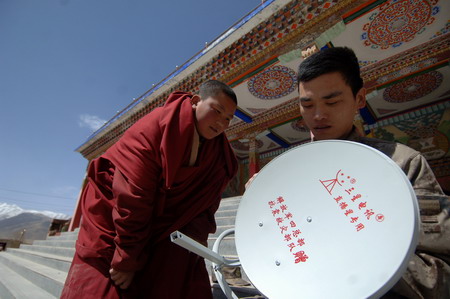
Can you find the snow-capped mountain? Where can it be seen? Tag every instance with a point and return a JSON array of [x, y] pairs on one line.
[[11, 210]]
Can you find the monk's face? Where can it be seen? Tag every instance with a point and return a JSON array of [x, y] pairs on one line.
[[213, 115], [328, 106]]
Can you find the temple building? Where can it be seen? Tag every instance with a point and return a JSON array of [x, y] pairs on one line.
[[404, 51]]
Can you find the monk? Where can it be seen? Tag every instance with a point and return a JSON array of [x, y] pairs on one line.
[[166, 173]]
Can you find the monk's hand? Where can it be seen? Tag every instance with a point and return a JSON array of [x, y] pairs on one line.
[[250, 181], [121, 279]]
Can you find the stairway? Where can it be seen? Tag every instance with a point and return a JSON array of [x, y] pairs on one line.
[[225, 219], [39, 270]]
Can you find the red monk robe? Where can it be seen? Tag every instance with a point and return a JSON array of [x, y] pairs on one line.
[[139, 192]]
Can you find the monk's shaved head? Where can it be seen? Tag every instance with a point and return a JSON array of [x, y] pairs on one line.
[[213, 88]]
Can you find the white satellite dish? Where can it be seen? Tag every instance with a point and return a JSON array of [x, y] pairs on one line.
[[328, 219]]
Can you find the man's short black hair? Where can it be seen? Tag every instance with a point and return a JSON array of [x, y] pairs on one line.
[[339, 59], [214, 87]]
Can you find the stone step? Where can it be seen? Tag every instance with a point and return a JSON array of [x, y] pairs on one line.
[[230, 200], [57, 262], [15, 286], [220, 229], [56, 243], [221, 221], [226, 213], [61, 251], [227, 246], [65, 236], [46, 278], [229, 206]]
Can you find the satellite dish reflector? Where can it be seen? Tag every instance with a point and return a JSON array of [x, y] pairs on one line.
[[328, 219]]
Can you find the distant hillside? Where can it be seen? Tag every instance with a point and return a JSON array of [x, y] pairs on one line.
[[36, 226], [11, 210]]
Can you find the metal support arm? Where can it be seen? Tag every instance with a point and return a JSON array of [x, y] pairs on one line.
[[217, 260]]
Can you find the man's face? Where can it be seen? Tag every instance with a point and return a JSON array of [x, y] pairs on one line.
[[328, 106], [213, 115]]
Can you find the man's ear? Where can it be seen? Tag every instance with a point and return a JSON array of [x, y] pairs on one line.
[[361, 98], [194, 100]]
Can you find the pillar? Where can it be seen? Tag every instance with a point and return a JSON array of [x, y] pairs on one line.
[[253, 157]]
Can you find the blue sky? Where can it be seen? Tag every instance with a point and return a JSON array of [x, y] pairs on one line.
[[67, 66]]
